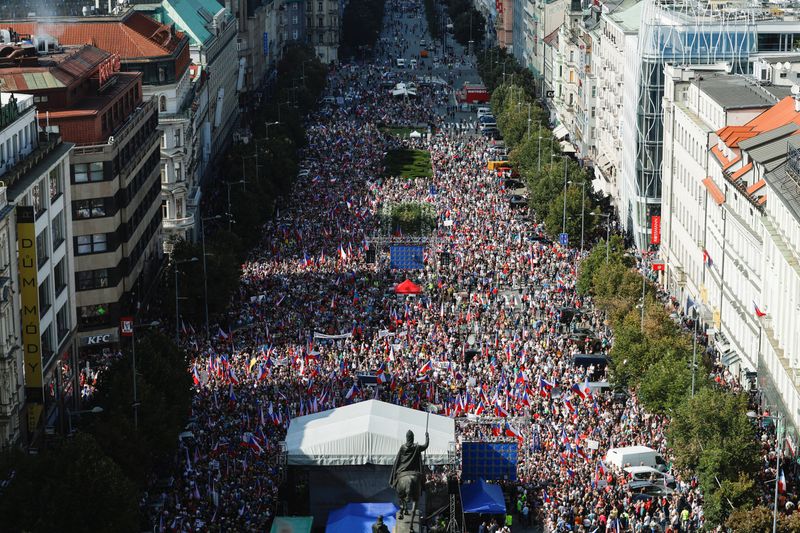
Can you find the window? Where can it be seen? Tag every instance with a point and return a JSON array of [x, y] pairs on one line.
[[163, 173], [92, 279], [320, 21], [178, 171], [86, 172], [92, 244], [162, 102], [319, 6], [62, 322], [164, 141], [44, 296], [295, 34], [162, 74], [58, 230], [164, 209], [37, 199], [47, 342], [294, 19], [42, 252], [178, 138], [56, 187], [93, 315], [294, 6], [320, 37], [93, 208], [60, 275], [179, 208]]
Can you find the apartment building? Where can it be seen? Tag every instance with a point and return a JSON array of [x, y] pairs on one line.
[[292, 21], [323, 26], [114, 175], [618, 36], [574, 87], [38, 380], [533, 21], [212, 33]]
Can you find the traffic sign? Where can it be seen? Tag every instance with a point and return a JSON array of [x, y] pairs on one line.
[[563, 239]]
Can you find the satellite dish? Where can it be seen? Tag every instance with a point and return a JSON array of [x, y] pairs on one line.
[[787, 66], [795, 90], [111, 140], [778, 66]]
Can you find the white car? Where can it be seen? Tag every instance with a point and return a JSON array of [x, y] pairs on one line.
[[401, 63]]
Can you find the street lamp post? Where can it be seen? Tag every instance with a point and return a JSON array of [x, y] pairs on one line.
[[267, 125], [228, 184], [778, 451], [177, 298], [564, 215], [203, 220]]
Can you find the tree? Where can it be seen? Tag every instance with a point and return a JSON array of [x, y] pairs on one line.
[[666, 383], [712, 436], [733, 494], [597, 258], [71, 487], [578, 220]]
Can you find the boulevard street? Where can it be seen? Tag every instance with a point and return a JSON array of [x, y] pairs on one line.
[[310, 275]]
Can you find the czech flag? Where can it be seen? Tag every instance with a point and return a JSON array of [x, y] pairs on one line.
[[759, 312], [249, 441], [380, 376], [352, 392], [195, 375], [577, 390], [545, 387], [781, 483], [425, 368]]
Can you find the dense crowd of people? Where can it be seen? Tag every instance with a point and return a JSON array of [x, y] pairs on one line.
[[486, 342]]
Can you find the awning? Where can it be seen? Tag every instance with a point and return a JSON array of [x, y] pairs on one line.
[[560, 132], [408, 287], [567, 148], [714, 191], [359, 517], [292, 524], [604, 162], [481, 497]]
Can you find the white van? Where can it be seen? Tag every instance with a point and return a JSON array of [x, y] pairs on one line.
[[401, 63], [413, 63], [484, 111], [635, 456]]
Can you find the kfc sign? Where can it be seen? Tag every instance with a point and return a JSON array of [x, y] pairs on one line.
[[108, 68]]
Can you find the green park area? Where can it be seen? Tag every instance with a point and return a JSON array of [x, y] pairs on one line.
[[408, 163]]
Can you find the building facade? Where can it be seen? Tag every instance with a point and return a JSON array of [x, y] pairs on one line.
[[618, 36], [161, 54], [114, 178], [323, 27], [212, 33], [37, 297]]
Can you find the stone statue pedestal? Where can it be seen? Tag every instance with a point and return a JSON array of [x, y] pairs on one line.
[[409, 524]]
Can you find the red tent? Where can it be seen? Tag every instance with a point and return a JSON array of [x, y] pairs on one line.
[[408, 287]]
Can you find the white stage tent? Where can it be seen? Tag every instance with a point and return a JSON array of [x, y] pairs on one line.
[[368, 432]]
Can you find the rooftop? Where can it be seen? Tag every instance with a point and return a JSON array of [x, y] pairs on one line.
[[784, 179], [736, 92], [628, 15], [48, 72], [131, 35]]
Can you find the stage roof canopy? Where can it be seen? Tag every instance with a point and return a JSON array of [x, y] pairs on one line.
[[408, 287], [481, 497], [367, 432], [292, 524]]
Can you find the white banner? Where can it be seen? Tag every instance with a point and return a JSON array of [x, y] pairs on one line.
[[323, 336]]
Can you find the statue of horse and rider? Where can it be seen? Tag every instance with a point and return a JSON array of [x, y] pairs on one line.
[[408, 477]]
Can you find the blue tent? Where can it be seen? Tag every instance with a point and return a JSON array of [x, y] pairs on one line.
[[359, 517], [480, 497]]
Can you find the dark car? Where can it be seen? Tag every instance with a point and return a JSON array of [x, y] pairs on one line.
[[513, 184], [517, 201]]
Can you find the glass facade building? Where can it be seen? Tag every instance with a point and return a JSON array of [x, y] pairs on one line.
[[682, 33]]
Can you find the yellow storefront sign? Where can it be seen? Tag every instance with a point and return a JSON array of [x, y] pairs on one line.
[[29, 295]]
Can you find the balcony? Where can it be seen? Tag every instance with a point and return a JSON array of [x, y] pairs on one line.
[[178, 223], [47, 143]]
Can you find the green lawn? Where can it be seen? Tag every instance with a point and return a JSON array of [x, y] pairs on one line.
[[398, 131], [408, 164]]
